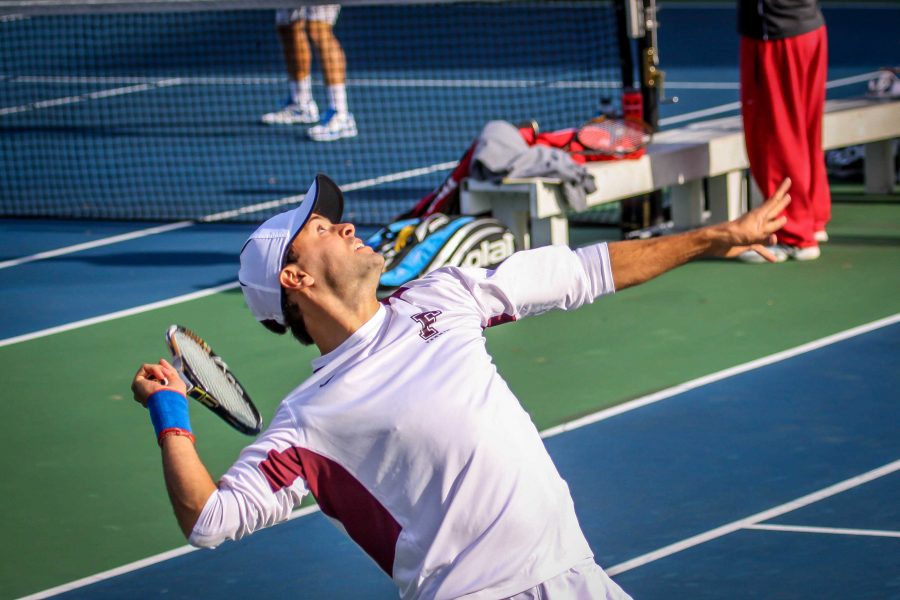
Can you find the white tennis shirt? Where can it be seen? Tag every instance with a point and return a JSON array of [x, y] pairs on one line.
[[415, 446]]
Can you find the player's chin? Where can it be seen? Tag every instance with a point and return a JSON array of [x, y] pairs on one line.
[[371, 264]]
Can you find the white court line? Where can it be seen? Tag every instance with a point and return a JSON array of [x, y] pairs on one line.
[[435, 83], [375, 82], [733, 106], [347, 187], [697, 114], [140, 564], [143, 87], [105, 79], [118, 315], [720, 375], [131, 235], [850, 80], [703, 85], [599, 416], [399, 82], [843, 486], [221, 216], [352, 186], [825, 530]]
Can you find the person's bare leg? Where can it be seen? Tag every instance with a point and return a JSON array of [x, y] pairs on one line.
[[295, 46], [339, 122], [334, 63], [298, 63]]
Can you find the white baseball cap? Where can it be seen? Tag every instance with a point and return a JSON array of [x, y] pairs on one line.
[[263, 254]]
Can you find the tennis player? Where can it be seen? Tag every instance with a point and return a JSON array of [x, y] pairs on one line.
[[405, 433]]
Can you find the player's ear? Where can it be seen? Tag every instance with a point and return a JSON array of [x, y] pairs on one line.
[[292, 277]]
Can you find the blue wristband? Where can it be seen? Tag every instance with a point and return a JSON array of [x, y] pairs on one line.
[[168, 410]]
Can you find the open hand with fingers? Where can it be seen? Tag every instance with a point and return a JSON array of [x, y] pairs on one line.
[[754, 230], [152, 377]]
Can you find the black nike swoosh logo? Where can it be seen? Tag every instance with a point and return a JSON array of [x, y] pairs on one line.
[[327, 381]]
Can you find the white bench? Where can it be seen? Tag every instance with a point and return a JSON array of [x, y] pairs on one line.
[[681, 159]]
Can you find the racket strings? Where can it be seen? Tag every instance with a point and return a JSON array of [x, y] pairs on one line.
[[215, 381]]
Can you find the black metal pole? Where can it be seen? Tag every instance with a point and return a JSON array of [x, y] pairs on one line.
[[651, 82]]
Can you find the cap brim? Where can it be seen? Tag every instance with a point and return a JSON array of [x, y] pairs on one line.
[[329, 201], [325, 198]]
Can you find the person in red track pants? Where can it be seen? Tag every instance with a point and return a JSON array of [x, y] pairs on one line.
[[783, 63]]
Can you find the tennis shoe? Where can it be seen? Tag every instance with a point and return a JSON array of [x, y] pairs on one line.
[[334, 126], [886, 84], [291, 114], [822, 236], [782, 252]]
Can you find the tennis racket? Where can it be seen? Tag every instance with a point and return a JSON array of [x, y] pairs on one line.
[[210, 381], [615, 137]]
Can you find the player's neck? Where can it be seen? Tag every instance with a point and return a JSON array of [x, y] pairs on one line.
[[331, 324]]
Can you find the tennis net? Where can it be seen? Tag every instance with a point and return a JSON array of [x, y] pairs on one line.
[[145, 115]]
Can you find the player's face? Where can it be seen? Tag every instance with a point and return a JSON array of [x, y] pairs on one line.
[[335, 257]]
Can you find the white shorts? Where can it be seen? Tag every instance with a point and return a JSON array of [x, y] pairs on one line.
[[584, 581], [324, 13]]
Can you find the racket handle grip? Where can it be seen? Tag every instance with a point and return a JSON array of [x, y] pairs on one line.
[[178, 363]]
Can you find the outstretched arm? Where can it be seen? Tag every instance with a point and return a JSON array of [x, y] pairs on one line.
[[187, 480], [636, 261]]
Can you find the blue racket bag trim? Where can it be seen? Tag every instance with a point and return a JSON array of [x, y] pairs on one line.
[[414, 247], [389, 233], [422, 254]]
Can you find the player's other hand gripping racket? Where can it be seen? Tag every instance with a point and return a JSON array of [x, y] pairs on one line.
[[151, 378]]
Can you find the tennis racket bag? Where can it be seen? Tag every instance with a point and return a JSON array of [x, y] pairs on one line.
[[415, 246]]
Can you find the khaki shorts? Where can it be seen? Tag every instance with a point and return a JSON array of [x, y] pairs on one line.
[[324, 13], [584, 581]]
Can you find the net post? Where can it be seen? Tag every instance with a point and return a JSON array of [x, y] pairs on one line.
[[651, 79], [651, 75]]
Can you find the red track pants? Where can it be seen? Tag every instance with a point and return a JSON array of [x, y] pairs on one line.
[[783, 100]]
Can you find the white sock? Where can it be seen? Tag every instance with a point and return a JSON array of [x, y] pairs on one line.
[[301, 91], [337, 98]]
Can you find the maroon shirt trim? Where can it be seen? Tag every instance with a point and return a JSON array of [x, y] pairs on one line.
[[340, 496]]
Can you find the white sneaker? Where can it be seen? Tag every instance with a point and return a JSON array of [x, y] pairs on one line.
[[808, 253], [782, 252], [752, 256], [334, 126], [291, 114], [822, 236]]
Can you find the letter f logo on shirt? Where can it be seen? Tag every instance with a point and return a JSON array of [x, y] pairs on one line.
[[426, 320]]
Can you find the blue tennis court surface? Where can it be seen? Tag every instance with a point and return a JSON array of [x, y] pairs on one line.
[[169, 146], [179, 140], [656, 476], [116, 277], [109, 278]]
